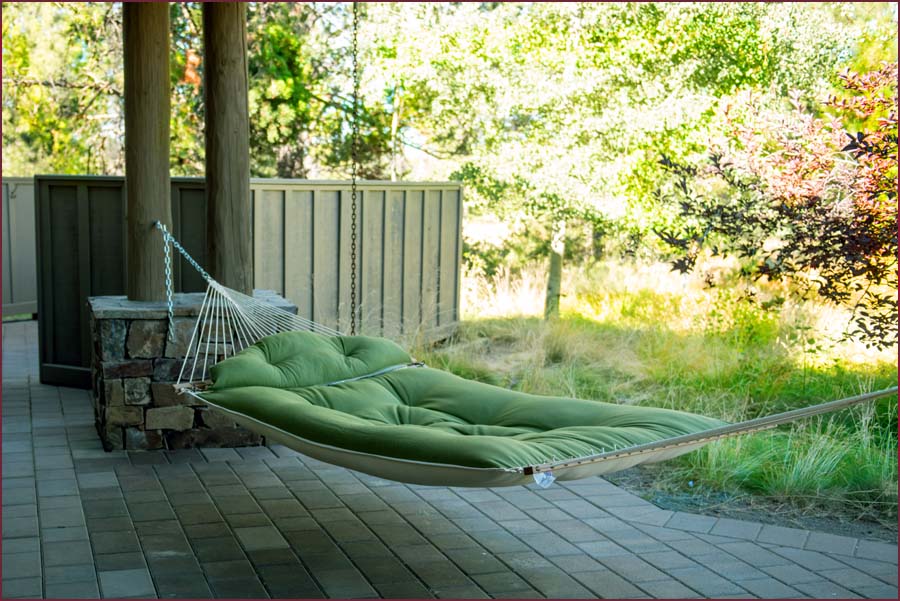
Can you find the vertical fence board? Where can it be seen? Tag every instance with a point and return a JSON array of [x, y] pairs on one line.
[[22, 220], [299, 250], [449, 259], [393, 263], [268, 239], [371, 263], [431, 224], [412, 262], [176, 231], [83, 254], [19, 252], [64, 300], [192, 228], [46, 324], [107, 240], [326, 221], [343, 248], [7, 250]]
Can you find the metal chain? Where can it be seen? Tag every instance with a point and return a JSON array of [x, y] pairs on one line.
[[170, 304], [168, 240], [354, 168]]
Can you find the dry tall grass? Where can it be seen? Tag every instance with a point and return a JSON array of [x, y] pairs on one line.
[[633, 333]]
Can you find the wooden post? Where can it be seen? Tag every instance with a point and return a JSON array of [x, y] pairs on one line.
[[229, 242], [145, 33]]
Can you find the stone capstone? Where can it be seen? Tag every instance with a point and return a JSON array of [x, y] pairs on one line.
[[169, 418], [128, 415], [146, 338], [137, 391]]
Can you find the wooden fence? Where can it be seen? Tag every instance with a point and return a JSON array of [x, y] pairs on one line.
[[408, 263], [19, 260]]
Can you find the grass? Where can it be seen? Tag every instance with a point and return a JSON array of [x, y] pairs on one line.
[[640, 334]]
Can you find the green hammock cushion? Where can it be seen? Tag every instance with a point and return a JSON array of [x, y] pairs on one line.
[[286, 381]]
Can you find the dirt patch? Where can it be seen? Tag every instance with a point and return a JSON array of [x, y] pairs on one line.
[[642, 482]]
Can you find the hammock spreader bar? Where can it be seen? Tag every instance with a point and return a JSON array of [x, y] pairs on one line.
[[230, 321]]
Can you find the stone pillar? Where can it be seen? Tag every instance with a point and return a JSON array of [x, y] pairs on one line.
[[135, 366]]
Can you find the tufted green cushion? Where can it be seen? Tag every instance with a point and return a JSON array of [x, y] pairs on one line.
[[421, 414], [298, 359]]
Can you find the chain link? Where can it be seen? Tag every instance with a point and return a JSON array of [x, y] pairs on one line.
[[168, 240], [170, 304], [354, 168]]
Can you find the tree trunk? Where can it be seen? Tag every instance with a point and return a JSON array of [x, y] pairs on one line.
[[229, 244], [597, 234], [145, 33], [395, 129], [554, 277]]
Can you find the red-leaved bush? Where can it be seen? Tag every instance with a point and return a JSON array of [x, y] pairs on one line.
[[804, 197]]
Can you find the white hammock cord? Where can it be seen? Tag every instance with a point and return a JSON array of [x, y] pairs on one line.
[[228, 320]]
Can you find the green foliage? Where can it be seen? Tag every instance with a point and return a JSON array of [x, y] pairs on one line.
[[186, 145], [637, 333], [63, 81], [61, 94], [555, 114], [300, 95], [802, 198], [553, 109]]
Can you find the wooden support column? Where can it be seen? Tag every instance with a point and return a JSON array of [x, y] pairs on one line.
[[229, 242], [145, 32]]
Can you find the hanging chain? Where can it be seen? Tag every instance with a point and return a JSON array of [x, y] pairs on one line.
[[170, 304], [168, 240], [354, 167]]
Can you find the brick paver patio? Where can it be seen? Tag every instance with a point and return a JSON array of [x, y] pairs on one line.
[[266, 522]]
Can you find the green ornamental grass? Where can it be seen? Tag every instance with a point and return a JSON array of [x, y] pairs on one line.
[[633, 333]]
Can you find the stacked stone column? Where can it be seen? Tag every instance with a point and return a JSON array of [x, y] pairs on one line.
[[135, 366]]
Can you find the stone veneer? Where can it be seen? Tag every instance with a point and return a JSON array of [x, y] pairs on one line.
[[134, 368]]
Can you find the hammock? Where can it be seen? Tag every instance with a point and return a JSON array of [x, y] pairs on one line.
[[364, 404]]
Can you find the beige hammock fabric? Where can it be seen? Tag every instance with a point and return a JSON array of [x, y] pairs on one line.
[[231, 321], [436, 474]]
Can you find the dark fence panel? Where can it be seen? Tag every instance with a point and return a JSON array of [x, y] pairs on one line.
[[81, 244], [409, 248]]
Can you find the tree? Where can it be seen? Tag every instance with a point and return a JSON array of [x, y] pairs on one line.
[[62, 91], [301, 95], [802, 198], [556, 112]]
